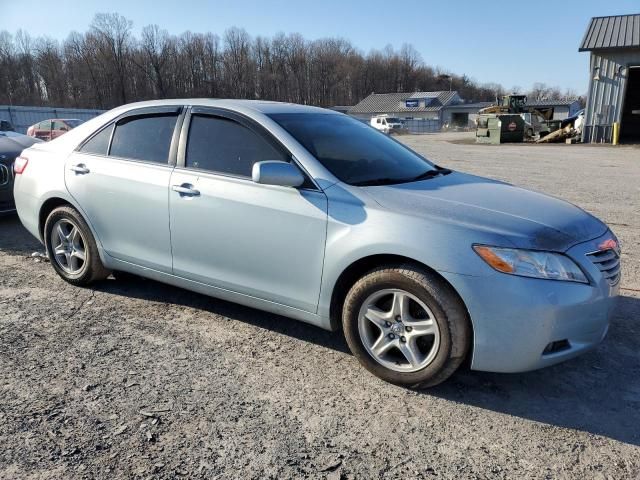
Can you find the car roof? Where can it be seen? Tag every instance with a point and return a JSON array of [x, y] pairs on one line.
[[252, 108], [262, 106]]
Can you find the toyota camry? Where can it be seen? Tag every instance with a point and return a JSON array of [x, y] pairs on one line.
[[317, 216]]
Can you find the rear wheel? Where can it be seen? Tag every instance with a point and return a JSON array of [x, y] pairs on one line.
[[72, 248], [407, 326]]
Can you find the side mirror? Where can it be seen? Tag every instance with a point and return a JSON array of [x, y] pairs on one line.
[[276, 172]]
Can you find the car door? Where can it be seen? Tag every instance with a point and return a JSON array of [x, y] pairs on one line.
[[229, 232], [120, 179]]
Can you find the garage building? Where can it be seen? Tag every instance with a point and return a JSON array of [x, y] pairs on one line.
[[614, 83], [462, 115]]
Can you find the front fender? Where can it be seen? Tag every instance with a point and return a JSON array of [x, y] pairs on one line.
[[358, 229]]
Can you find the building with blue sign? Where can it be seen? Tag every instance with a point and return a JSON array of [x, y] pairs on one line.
[[421, 111]]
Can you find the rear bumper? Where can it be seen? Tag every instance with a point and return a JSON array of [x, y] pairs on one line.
[[28, 208], [515, 318]]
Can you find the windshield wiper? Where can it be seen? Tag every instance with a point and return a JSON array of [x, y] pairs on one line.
[[391, 181], [378, 181], [431, 174]]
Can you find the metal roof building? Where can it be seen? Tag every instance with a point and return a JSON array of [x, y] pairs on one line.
[[23, 117], [561, 108], [413, 105], [614, 78]]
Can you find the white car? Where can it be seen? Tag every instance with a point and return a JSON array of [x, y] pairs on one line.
[[386, 124]]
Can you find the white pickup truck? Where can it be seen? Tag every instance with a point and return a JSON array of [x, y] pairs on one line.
[[387, 124]]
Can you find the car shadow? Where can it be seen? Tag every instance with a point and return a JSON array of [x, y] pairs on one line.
[[14, 239], [145, 289], [598, 392]]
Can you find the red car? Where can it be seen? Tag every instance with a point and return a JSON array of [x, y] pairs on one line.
[[50, 129]]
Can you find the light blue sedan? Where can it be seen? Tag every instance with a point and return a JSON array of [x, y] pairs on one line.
[[316, 216]]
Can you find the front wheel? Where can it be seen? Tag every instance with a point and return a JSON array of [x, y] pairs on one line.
[[72, 248], [406, 326]]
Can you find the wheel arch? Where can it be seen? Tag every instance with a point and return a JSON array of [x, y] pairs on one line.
[[48, 206], [360, 267], [56, 200]]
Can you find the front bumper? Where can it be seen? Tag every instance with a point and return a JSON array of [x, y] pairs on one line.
[[516, 318]]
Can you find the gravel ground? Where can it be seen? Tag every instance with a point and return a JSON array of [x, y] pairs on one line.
[[134, 379]]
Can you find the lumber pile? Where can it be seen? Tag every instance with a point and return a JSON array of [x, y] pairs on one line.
[[559, 135]]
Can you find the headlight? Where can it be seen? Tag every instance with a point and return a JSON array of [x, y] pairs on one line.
[[531, 263]]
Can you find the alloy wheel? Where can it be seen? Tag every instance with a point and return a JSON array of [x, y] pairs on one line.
[[68, 247], [398, 330]]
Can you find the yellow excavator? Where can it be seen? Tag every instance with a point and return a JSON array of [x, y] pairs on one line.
[[510, 104]]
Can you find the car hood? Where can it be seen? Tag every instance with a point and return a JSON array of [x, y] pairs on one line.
[[526, 219]]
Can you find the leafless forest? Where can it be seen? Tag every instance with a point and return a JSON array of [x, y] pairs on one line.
[[108, 66]]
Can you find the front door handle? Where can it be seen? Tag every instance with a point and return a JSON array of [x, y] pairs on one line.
[[81, 169], [185, 189]]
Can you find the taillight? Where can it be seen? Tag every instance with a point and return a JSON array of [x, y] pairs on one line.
[[20, 164]]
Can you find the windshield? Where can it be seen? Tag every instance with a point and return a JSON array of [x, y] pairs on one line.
[[73, 123], [354, 152]]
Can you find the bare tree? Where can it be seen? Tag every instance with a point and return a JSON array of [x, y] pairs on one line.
[[107, 66], [113, 34], [154, 45]]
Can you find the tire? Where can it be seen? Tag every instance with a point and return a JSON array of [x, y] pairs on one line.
[[65, 255], [376, 294]]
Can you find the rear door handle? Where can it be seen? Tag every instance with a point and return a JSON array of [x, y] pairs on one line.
[[185, 189], [80, 168]]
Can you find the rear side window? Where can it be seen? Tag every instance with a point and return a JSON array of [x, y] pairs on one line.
[[221, 145], [99, 143], [146, 138]]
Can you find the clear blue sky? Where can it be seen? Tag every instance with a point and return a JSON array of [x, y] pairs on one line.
[[509, 42]]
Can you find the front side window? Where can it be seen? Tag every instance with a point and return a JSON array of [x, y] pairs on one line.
[[46, 125], [225, 146], [354, 152], [145, 137]]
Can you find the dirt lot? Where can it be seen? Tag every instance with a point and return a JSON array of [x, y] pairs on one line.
[[139, 380]]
